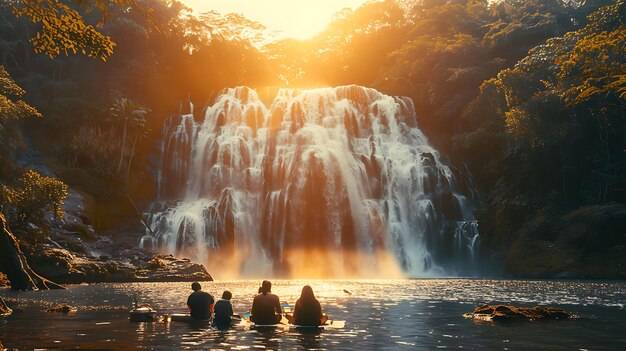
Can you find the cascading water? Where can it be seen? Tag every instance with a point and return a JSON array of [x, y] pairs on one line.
[[331, 182]]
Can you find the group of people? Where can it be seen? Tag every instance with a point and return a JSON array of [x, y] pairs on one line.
[[266, 308]]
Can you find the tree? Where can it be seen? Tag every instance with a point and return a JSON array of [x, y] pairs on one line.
[[12, 110], [592, 59], [14, 263], [25, 198], [63, 28], [35, 194], [132, 116]]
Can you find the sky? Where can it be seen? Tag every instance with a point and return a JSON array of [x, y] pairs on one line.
[[299, 19]]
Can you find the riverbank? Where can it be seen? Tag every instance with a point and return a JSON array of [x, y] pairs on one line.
[[128, 265]]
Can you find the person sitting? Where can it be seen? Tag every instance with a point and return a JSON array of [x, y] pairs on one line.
[[200, 303], [223, 311], [308, 310], [266, 308]]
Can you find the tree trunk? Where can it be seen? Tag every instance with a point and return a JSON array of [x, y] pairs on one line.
[[130, 160], [119, 165], [14, 264]]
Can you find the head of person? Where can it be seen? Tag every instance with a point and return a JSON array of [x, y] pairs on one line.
[[195, 286], [307, 293], [227, 295], [266, 286], [260, 289]]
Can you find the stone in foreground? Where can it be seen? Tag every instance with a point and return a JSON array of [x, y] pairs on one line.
[[512, 313]]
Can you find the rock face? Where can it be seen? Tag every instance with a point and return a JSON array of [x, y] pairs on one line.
[[82, 256], [125, 265], [511, 313]]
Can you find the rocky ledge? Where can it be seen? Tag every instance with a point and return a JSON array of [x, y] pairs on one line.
[[510, 313], [125, 265]]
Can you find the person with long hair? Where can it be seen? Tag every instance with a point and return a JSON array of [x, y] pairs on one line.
[[308, 311], [266, 306]]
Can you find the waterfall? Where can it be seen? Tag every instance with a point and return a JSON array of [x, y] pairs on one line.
[[332, 182]]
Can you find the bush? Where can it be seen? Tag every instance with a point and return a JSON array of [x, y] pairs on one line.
[[33, 195]]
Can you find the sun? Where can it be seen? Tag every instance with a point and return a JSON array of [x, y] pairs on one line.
[[300, 19]]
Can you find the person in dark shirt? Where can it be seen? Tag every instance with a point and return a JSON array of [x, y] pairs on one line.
[[266, 306], [308, 310], [223, 311], [200, 303]]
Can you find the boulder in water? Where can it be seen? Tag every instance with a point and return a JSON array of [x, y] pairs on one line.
[[62, 309], [509, 313], [165, 268]]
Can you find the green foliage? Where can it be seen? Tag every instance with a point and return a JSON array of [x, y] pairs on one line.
[[558, 114], [91, 147], [12, 110], [132, 117], [595, 63], [234, 26], [11, 106], [33, 195], [63, 28]]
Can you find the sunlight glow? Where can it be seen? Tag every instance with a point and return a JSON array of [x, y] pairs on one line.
[[292, 19]]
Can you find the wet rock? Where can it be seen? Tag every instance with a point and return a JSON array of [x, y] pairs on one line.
[[62, 309], [4, 311], [124, 265], [170, 268], [52, 261], [510, 313], [79, 208]]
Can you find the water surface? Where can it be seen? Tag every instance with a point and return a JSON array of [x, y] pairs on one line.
[[380, 314]]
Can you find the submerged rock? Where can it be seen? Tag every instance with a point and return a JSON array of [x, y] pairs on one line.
[[62, 309], [505, 313]]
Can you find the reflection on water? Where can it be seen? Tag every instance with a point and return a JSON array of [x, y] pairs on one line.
[[382, 314]]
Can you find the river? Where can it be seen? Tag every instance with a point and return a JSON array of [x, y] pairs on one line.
[[380, 314]]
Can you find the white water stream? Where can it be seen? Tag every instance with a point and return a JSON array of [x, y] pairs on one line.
[[333, 182]]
